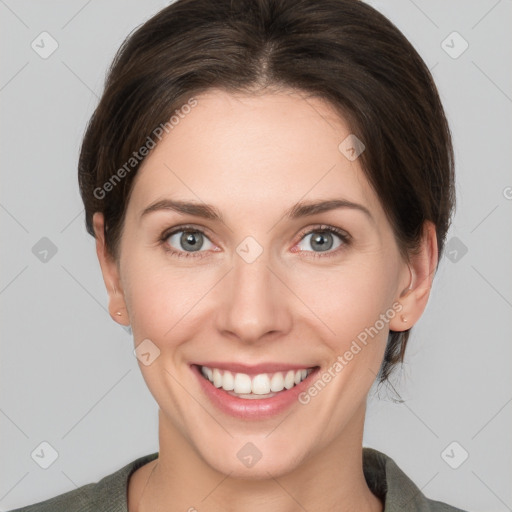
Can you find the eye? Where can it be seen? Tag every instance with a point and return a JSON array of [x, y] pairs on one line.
[[189, 241], [186, 240], [324, 239]]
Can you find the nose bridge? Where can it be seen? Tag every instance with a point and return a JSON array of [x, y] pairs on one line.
[[254, 304], [252, 279]]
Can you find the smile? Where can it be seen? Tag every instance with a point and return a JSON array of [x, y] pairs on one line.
[[253, 392], [262, 385]]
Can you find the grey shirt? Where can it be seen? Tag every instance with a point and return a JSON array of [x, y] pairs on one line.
[[385, 479]]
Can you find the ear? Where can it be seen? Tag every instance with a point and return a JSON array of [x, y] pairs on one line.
[[110, 271], [420, 274]]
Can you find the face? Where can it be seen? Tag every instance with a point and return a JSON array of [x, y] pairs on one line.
[[286, 305]]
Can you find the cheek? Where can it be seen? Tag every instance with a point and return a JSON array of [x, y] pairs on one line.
[[347, 301], [161, 298]]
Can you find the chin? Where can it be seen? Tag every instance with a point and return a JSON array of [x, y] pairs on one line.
[[252, 457]]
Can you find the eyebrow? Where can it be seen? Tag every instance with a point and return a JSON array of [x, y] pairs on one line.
[[206, 211]]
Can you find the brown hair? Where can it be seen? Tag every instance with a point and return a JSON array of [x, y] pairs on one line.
[[343, 51]]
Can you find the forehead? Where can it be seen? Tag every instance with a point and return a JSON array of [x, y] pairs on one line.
[[265, 151]]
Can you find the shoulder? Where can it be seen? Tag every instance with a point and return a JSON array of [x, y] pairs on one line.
[[398, 492], [78, 500], [108, 494]]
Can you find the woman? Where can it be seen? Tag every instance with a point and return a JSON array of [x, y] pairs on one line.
[[269, 183]]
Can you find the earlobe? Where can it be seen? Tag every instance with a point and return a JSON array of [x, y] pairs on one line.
[[422, 266], [110, 272]]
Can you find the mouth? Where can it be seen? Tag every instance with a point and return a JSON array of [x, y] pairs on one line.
[[261, 385], [253, 392]]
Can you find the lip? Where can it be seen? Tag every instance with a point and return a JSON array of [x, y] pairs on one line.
[[257, 409]]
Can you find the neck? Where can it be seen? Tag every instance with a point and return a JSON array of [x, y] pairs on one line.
[[332, 479]]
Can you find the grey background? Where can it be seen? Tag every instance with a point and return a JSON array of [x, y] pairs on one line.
[[68, 375]]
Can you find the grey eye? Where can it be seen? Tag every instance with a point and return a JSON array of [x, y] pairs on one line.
[[321, 241], [188, 240]]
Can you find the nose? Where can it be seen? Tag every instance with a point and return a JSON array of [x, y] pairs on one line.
[[254, 303]]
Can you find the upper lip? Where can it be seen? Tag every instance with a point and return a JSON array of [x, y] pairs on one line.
[[256, 369]]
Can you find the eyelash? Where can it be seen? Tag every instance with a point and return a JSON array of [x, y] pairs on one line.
[[344, 237]]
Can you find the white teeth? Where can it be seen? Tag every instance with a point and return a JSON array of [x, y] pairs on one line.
[[289, 380], [277, 382], [261, 384], [242, 383], [228, 381], [217, 378]]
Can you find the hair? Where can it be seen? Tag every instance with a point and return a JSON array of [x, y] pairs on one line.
[[342, 51]]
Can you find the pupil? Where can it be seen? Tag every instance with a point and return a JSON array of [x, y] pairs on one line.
[[191, 238], [322, 242]]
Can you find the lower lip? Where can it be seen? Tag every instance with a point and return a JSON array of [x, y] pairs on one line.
[[254, 409]]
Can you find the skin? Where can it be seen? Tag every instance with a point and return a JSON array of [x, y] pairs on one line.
[[253, 157]]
